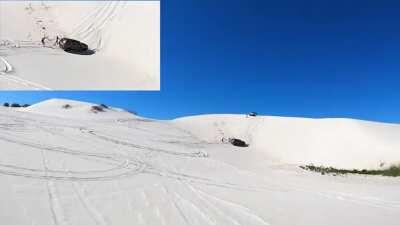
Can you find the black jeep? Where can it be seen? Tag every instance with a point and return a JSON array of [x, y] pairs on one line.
[[73, 46], [238, 143]]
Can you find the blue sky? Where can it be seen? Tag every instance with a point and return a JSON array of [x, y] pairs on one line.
[[290, 58]]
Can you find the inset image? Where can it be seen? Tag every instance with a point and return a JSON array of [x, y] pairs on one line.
[[79, 45]]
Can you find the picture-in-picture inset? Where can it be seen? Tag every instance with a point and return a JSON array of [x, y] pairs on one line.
[[79, 45]]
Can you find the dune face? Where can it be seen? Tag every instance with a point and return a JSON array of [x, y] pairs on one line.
[[62, 108], [72, 162], [341, 143], [123, 36]]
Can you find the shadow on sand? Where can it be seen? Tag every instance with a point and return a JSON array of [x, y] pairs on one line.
[[87, 52]]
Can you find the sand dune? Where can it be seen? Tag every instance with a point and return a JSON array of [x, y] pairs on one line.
[[73, 165]]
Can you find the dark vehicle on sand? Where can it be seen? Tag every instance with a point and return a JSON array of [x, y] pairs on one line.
[[253, 114], [237, 142], [73, 46]]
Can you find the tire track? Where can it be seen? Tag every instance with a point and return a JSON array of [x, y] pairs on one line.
[[125, 167], [134, 166], [94, 14], [136, 146], [90, 208], [90, 21], [5, 67], [54, 201], [25, 83], [91, 31], [250, 215], [60, 172], [196, 209]]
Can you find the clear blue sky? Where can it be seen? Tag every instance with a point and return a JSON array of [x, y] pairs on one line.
[[291, 58]]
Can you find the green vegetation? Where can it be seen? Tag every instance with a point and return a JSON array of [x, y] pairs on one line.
[[393, 171]]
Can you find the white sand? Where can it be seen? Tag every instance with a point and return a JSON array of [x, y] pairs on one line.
[[341, 143], [73, 166]]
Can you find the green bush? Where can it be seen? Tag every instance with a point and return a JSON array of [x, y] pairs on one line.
[[393, 171]]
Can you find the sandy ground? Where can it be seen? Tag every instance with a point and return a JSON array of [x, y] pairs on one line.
[[125, 36], [74, 166]]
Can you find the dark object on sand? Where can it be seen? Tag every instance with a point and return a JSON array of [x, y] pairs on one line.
[[73, 46], [253, 114], [238, 142], [67, 106], [97, 108]]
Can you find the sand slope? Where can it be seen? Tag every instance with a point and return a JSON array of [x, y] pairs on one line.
[[342, 143], [74, 166]]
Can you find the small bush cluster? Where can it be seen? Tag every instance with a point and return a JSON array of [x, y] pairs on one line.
[[99, 108], [66, 106], [393, 171], [104, 106], [133, 112], [15, 105]]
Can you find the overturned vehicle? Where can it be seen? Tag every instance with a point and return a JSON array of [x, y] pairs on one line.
[[235, 142], [73, 46]]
